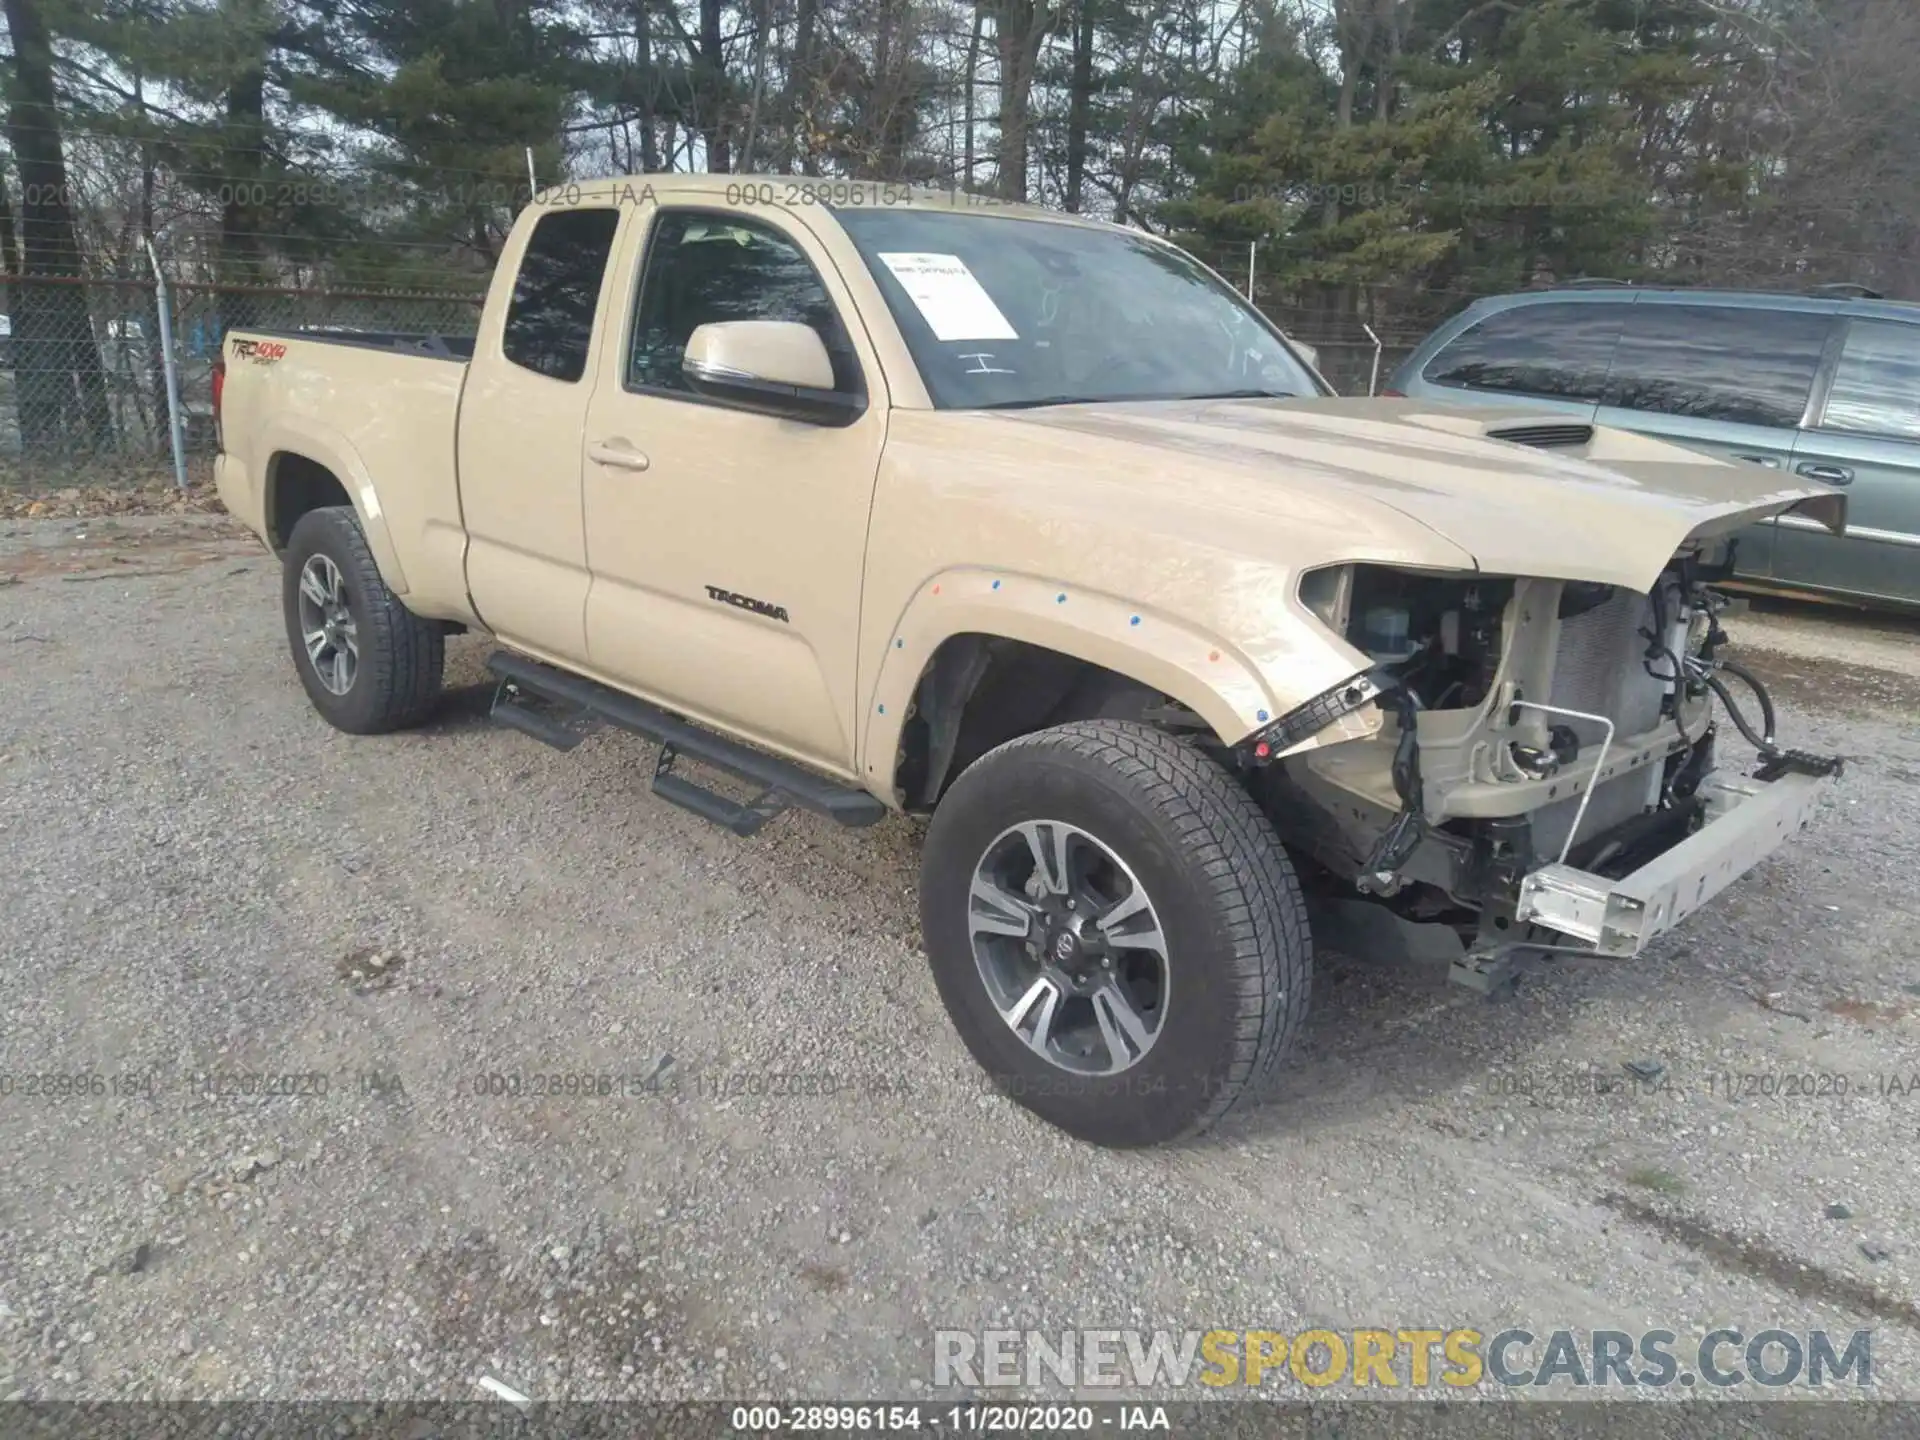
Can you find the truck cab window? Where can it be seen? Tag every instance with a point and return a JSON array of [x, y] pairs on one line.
[[550, 321], [702, 269]]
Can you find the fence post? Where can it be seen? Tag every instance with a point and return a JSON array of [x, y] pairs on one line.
[[174, 424], [1253, 247], [1373, 381]]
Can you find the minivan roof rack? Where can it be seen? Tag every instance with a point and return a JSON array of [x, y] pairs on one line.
[[1846, 290], [1591, 282]]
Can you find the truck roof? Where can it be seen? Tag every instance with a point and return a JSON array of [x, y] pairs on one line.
[[834, 194]]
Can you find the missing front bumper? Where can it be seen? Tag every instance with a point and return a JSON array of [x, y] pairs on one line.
[[1747, 820]]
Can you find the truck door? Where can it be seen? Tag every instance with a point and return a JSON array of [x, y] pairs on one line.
[[726, 546], [522, 416]]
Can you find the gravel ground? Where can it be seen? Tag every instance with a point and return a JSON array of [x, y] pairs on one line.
[[204, 878]]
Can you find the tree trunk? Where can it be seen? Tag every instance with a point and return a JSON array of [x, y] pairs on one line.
[[1020, 28], [763, 28], [1079, 103], [973, 71], [713, 90], [649, 86], [156, 366], [61, 390], [800, 112], [241, 258]]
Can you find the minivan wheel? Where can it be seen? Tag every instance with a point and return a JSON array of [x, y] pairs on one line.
[[368, 664], [1115, 930]]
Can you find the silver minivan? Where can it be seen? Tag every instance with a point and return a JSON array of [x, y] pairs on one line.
[[1824, 385]]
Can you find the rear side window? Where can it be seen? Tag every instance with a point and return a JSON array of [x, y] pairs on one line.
[[1740, 366], [1876, 390], [550, 322], [1556, 350]]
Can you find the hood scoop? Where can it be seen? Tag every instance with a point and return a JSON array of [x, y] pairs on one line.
[[1562, 436]]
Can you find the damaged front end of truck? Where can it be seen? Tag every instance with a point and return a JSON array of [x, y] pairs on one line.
[[1528, 765]]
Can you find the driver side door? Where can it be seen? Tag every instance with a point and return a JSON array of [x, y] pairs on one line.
[[725, 547]]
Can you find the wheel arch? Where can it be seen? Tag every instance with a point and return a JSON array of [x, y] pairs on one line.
[[306, 470], [982, 657]]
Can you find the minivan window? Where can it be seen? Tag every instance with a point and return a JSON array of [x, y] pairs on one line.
[[1718, 362], [1876, 390], [550, 319], [1558, 350]]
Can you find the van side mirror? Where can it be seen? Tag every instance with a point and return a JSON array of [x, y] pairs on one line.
[[778, 367], [1307, 352]]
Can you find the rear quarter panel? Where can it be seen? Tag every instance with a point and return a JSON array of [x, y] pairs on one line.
[[382, 422]]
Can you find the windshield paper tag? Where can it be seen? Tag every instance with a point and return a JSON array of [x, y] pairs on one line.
[[953, 302]]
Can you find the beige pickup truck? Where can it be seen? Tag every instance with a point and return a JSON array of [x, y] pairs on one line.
[[882, 500]]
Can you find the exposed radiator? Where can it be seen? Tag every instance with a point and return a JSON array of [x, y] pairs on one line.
[[1601, 668]]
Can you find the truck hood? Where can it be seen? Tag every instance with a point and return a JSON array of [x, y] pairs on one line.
[[1567, 501]]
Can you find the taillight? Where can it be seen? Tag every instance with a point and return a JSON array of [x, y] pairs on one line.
[[219, 387], [1395, 394]]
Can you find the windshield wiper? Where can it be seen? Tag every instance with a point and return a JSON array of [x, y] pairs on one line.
[[1246, 395], [1044, 400]]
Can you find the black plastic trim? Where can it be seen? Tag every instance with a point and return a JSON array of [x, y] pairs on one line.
[[795, 783]]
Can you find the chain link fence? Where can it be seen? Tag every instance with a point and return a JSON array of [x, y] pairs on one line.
[[83, 387], [83, 383]]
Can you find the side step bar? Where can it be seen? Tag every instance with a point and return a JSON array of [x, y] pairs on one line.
[[561, 709]]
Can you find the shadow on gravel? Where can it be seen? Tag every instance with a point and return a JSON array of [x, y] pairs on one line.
[[1764, 1262], [1835, 612], [462, 708], [1848, 687]]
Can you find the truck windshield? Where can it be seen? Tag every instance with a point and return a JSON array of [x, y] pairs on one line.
[[1001, 312]]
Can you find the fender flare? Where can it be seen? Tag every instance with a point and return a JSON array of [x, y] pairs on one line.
[[1206, 674], [323, 445]]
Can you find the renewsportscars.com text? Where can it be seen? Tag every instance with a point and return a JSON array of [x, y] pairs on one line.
[[1416, 1358]]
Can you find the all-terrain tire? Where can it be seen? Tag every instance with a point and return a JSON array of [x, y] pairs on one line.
[[396, 677], [1238, 953]]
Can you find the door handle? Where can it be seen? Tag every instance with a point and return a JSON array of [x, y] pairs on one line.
[[1832, 474], [617, 453], [1772, 462]]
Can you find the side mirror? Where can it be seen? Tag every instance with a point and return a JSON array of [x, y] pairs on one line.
[[779, 367], [1307, 352]]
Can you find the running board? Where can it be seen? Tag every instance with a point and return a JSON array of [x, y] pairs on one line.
[[562, 709]]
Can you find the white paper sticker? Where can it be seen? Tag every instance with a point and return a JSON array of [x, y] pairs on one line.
[[955, 305]]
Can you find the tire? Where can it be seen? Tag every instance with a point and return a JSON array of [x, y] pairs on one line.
[[1235, 947], [395, 676]]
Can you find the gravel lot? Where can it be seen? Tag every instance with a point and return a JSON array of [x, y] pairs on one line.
[[202, 877]]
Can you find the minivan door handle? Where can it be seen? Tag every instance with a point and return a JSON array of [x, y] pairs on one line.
[[1831, 474], [617, 452], [1772, 462]]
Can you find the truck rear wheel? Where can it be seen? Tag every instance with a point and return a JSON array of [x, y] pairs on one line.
[[1115, 930], [368, 663]]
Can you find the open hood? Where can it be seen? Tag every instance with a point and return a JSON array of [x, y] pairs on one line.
[[1559, 499]]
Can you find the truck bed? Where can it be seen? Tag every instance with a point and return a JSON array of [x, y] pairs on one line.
[[355, 407]]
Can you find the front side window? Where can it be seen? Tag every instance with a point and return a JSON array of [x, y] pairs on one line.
[[549, 326], [1876, 390], [1737, 365], [1002, 312], [705, 269], [1560, 350]]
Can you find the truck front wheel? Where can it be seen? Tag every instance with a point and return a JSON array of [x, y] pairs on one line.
[[368, 663], [1115, 930]]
